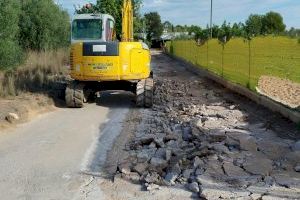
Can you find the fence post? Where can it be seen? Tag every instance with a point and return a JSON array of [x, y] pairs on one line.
[[207, 54], [223, 46], [249, 68]]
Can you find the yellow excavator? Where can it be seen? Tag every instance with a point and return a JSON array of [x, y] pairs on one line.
[[99, 62]]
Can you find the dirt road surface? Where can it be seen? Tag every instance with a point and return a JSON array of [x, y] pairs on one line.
[[74, 153], [48, 157]]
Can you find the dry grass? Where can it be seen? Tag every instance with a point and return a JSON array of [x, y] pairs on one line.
[[36, 74]]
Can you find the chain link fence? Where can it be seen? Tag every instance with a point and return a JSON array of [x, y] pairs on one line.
[[242, 61]]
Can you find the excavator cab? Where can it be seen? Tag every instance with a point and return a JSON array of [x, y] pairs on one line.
[[98, 62], [92, 27]]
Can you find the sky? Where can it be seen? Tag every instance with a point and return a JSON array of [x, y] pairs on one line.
[[197, 12]]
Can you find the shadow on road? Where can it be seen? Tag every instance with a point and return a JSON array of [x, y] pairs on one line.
[[115, 99]]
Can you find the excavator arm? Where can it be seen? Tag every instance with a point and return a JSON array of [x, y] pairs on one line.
[[127, 21]]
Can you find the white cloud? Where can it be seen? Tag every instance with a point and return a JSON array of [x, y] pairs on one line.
[[198, 11]]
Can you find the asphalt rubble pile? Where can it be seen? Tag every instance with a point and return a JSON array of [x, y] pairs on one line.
[[209, 148]]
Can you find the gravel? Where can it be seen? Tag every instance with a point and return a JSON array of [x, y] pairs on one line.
[[209, 140]]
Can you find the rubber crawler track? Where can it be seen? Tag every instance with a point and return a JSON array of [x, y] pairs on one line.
[[74, 95]]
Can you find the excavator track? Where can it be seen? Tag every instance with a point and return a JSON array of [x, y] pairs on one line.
[[144, 93], [148, 102], [75, 95]]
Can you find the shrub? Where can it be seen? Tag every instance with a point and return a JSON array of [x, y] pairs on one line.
[[10, 54], [10, 51]]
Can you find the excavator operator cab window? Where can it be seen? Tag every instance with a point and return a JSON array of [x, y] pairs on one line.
[[87, 29], [109, 30]]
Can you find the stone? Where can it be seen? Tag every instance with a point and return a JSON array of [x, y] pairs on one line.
[[214, 169], [187, 134], [293, 157], [218, 136], [248, 143], [287, 179], [232, 107], [218, 190], [158, 163], [255, 196], [234, 171], [160, 153], [258, 165], [199, 171], [172, 174], [198, 162], [12, 117], [152, 145], [273, 149], [220, 148], [125, 169], [257, 191], [194, 187], [269, 180], [159, 142], [277, 192], [168, 155], [140, 168], [134, 177], [171, 177], [296, 146], [232, 143], [172, 144], [145, 155], [187, 173], [153, 178], [197, 127], [151, 187], [170, 137], [147, 139], [297, 168]]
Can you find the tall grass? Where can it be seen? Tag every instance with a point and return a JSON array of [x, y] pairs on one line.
[[38, 73]]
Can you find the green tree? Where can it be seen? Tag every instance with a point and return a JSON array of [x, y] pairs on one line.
[[114, 8], [293, 32], [225, 33], [238, 30], [254, 25], [273, 23], [10, 51], [43, 25], [168, 26], [194, 29], [179, 28], [154, 26]]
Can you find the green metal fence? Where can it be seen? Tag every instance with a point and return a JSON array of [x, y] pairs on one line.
[[242, 61]]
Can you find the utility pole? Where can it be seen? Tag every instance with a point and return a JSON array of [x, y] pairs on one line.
[[211, 18]]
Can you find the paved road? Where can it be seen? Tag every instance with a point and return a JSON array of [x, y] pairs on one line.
[[49, 157]]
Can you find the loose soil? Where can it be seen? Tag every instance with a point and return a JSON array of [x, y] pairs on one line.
[[26, 106], [280, 90]]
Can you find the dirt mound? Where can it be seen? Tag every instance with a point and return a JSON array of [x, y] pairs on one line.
[[22, 108], [280, 90]]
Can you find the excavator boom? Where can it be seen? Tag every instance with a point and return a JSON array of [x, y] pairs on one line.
[[127, 21]]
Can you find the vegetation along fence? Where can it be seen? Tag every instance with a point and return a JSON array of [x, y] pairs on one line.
[[243, 61]]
